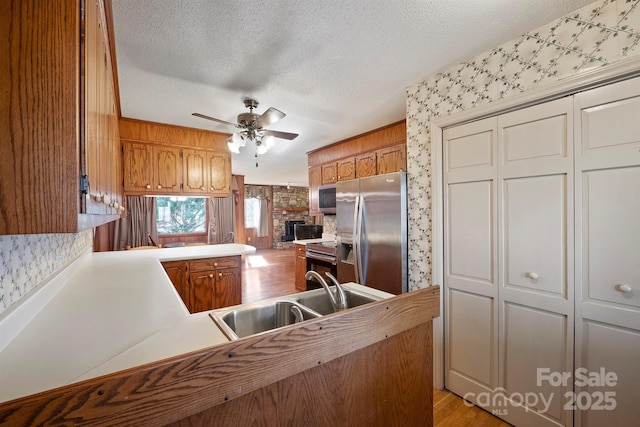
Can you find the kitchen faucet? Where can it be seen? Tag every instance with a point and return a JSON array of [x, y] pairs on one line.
[[339, 303], [342, 296]]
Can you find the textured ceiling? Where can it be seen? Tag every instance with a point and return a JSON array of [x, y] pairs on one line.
[[336, 68]]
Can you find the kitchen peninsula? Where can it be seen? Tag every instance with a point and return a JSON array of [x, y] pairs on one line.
[[117, 341]]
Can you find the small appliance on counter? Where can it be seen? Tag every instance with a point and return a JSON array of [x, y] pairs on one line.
[[307, 231]]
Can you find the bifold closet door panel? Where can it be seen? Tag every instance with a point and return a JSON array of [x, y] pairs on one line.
[[470, 297], [608, 251], [535, 229]]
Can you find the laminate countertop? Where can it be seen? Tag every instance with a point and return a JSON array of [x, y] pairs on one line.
[[105, 312]]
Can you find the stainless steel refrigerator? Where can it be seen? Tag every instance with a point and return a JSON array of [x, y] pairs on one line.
[[371, 228]]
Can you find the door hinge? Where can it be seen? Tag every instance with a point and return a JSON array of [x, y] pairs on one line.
[[84, 184]]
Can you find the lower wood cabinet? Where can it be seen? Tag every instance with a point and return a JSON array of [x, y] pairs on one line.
[[178, 273], [208, 283], [301, 267]]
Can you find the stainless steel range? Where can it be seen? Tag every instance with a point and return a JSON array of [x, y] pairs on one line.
[[321, 257]]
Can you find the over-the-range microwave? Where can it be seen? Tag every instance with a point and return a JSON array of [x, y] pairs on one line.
[[327, 199]]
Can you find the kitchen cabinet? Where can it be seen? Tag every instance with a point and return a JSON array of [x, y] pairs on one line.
[[329, 173], [346, 169], [377, 152], [366, 165], [163, 169], [207, 284], [315, 181], [215, 283], [391, 159], [167, 169], [219, 173], [194, 178], [59, 119], [151, 168], [178, 272], [301, 266]]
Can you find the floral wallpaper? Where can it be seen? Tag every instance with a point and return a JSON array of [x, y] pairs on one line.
[[599, 34], [27, 260]]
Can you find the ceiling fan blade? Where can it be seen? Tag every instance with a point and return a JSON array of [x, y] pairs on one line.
[[283, 135], [214, 119], [269, 117]]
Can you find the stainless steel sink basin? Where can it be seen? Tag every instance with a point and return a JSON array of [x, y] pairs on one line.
[[320, 303], [255, 318]]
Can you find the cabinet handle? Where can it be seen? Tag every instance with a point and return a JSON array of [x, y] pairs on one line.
[[148, 186], [625, 289], [159, 187], [215, 264], [219, 274], [202, 188], [211, 276], [210, 188], [532, 276]]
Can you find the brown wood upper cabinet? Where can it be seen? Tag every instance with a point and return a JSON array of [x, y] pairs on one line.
[[392, 159], [366, 165], [162, 169], [315, 181], [346, 169], [59, 118], [377, 152], [329, 173]]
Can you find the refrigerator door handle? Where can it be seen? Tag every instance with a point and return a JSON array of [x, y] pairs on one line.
[[358, 238], [355, 241]]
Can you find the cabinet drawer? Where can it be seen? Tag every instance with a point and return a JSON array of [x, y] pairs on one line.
[[214, 263]]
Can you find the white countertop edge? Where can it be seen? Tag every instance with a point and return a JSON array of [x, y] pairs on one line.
[[17, 316], [35, 360]]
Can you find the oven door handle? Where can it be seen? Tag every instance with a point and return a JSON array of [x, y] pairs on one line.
[[321, 257]]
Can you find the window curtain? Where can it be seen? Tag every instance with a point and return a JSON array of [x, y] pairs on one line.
[[139, 224], [263, 195], [221, 218]]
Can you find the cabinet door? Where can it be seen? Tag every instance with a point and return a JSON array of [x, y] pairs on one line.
[[202, 290], [392, 159], [329, 173], [194, 176], [315, 181], [177, 272], [228, 287], [91, 112], [138, 176], [218, 172], [167, 169], [301, 267], [366, 165], [346, 169]]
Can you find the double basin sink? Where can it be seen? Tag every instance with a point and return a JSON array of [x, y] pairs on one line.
[[250, 319]]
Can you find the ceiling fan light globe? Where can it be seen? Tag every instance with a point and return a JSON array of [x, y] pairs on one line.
[[233, 147], [268, 141], [261, 149]]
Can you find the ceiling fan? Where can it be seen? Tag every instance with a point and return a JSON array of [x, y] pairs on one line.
[[252, 128]]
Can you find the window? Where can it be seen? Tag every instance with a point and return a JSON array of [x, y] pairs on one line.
[[252, 213], [181, 215]]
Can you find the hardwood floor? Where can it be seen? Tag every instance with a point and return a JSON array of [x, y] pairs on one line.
[[450, 410], [270, 273]]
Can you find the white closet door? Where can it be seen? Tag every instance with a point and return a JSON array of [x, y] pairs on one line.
[[535, 223], [471, 334], [608, 252]]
